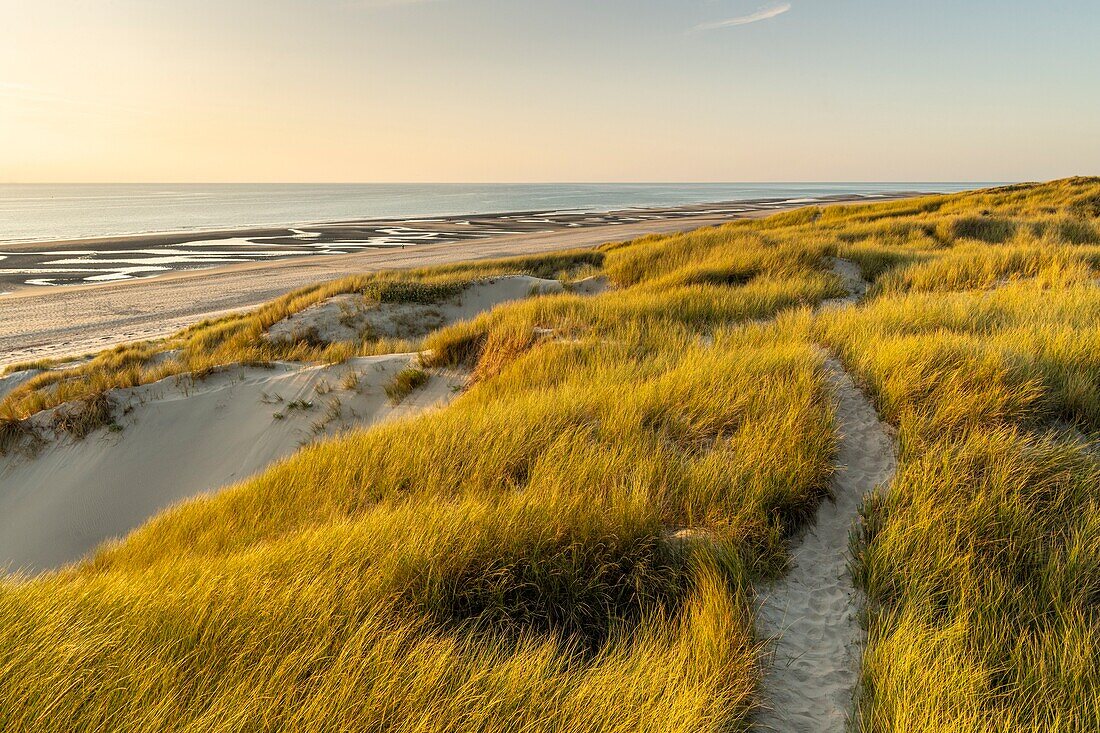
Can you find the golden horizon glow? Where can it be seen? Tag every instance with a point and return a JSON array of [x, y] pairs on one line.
[[477, 91]]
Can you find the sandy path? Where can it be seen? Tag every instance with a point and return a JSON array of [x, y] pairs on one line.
[[812, 612], [54, 322], [850, 275]]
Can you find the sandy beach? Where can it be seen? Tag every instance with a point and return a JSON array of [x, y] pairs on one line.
[[51, 322], [109, 258]]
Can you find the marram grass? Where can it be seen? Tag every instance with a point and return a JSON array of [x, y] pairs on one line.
[[511, 562]]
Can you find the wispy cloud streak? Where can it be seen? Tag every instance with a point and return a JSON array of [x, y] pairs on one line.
[[386, 3], [765, 13], [27, 95]]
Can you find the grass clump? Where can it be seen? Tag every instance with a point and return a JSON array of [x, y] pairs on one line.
[[16, 434], [82, 418], [985, 229], [350, 381], [404, 383]]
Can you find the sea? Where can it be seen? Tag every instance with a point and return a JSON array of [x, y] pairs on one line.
[[52, 212]]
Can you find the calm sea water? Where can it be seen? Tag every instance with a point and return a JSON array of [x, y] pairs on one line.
[[46, 212]]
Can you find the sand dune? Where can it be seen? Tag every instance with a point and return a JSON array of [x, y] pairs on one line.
[[180, 439], [348, 317]]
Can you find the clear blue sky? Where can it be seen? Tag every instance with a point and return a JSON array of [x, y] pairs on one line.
[[559, 90]]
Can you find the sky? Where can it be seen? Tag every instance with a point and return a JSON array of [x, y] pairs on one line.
[[548, 90]]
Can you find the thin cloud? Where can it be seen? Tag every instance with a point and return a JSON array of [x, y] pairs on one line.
[[765, 13], [27, 95], [386, 3]]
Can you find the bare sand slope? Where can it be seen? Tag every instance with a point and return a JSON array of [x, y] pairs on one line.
[[180, 439], [349, 317], [8, 382], [52, 322]]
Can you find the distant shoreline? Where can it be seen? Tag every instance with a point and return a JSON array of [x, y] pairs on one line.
[[54, 322], [52, 213], [96, 260], [176, 236]]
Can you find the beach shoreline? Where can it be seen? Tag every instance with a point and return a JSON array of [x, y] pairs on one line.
[[95, 260], [331, 227], [49, 322]]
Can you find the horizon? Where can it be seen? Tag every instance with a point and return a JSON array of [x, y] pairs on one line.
[[517, 183], [480, 91]]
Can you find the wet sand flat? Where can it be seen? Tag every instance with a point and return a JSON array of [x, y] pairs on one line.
[[140, 256], [51, 322], [47, 322]]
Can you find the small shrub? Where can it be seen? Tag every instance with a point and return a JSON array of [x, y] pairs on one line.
[[407, 291]]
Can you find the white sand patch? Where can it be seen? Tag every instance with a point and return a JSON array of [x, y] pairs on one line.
[[351, 317], [180, 439], [8, 382], [590, 285], [852, 278]]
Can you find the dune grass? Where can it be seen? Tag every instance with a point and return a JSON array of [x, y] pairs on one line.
[[419, 568], [509, 562], [980, 561], [405, 382], [513, 561], [239, 339]]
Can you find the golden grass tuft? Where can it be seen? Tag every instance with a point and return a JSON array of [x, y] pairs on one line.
[[404, 383]]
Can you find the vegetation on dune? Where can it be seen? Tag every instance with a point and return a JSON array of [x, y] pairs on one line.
[[239, 339], [404, 383], [980, 560], [515, 561], [509, 561]]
